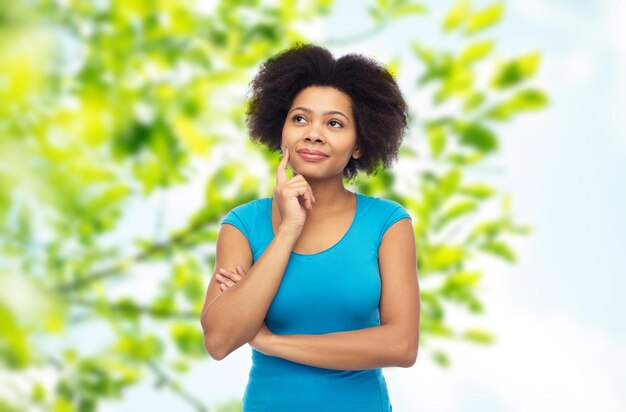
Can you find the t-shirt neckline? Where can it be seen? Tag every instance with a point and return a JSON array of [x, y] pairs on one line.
[[345, 235]]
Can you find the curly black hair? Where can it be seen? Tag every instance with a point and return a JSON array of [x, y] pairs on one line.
[[379, 108]]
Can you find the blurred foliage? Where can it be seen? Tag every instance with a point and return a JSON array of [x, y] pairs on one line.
[[110, 106]]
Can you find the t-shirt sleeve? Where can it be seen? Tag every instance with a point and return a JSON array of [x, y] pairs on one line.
[[398, 212], [235, 217]]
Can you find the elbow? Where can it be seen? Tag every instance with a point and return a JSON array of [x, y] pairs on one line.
[[409, 355], [213, 350], [220, 344], [409, 359]]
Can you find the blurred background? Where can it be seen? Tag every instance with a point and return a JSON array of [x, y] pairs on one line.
[[123, 145]]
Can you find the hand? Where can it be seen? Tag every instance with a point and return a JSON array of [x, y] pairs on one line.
[[262, 341], [226, 278], [293, 196]]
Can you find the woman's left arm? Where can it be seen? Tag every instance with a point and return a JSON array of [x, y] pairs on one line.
[[393, 343]]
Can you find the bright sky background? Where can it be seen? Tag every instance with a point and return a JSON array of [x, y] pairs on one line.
[[561, 338]]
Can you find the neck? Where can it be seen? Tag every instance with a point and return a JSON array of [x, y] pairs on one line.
[[329, 196]]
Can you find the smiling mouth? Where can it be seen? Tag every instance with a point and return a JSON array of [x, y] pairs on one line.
[[311, 157]]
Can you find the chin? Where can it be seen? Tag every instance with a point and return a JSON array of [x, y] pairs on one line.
[[317, 176]]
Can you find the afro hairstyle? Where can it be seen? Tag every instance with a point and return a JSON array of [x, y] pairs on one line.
[[379, 109]]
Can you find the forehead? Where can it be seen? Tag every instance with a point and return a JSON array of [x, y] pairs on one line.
[[322, 99]]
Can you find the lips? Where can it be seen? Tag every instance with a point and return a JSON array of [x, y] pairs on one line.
[[312, 152], [312, 155]]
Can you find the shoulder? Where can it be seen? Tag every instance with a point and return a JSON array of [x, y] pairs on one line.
[[381, 205], [382, 213], [251, 206], [246, 214]]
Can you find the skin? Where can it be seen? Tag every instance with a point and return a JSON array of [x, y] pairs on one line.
[[321, 118]]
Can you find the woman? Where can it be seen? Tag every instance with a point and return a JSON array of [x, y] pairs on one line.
[[320, 281]]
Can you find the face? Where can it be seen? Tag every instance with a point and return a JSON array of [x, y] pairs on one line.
[[320, 119]]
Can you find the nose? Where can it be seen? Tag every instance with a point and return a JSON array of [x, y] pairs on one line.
[[314, 135]]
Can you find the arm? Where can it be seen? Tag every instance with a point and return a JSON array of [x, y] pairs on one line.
[[376, 347], [394, 343], [231, 318]]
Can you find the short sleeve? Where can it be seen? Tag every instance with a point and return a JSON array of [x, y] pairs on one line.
[[233, 218], [396, 214]]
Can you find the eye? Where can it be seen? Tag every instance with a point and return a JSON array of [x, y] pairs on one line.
[[336, 122], [296, 117]]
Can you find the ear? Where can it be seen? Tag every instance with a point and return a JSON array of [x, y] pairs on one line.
[[356, 153]]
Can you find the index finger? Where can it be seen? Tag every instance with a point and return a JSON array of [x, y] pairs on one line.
[[281, 174]]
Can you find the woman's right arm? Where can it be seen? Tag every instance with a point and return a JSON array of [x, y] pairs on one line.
[[232, 318]]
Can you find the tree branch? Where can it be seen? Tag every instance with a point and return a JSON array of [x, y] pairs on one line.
[[139, 309], [117, 268], [176, 388]]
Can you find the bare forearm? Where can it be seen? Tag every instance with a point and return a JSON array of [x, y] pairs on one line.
[[235, 316], [361, 349]]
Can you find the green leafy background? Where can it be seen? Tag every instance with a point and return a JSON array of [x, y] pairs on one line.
[[123, 144]]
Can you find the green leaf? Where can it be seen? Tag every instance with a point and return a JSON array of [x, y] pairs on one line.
[[450, 181], [408, 9], [180, 366], [479, 137], [464, 278], [476, 51], [484, 18], [524, 100], [520, 230], [473, 101], [188, 339], [479, 335], [38, 392], [457, 81], [426, 55], [441, 70], [436, 139], [6, 406], [477, 190], [163, 306], [500, 249], [139, 348], [407, 151], [462, 159], [15, 350], [435, 328], [63, 405], [458, 209], [515, 71], [459, 288], [442, 257], [394, 67], [191, 135], [488, 230], [132, 139], [376, 14], [127, 308], [441, 359], [432, 313], [457, 15]]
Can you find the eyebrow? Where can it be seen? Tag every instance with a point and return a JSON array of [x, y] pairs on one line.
[[325, 113]]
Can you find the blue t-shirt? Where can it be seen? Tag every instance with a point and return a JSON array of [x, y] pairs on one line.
[[337, 289]]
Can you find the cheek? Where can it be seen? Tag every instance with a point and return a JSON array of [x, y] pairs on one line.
[[284, 137], [348, 144], [287, 130]]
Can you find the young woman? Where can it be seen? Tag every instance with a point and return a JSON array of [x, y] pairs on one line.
[[320, 281]]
